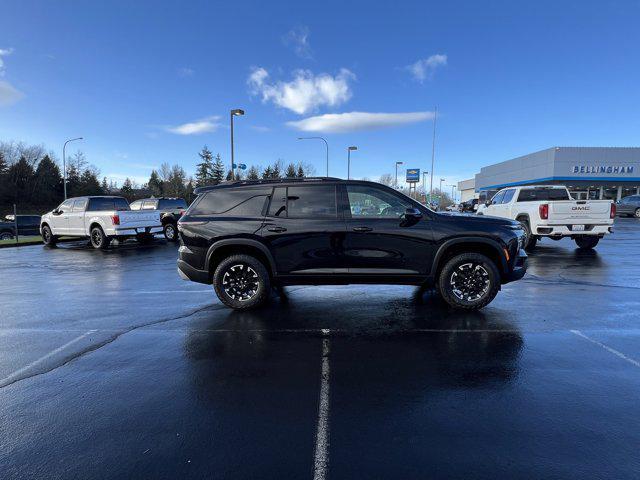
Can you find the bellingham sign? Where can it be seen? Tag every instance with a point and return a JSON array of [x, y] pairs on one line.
[[617, 169]]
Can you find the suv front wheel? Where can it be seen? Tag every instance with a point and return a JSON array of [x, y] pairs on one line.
[[469, 281], [241, 282]]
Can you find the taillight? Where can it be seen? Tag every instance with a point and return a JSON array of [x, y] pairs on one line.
[[181, 212], [115, 219], [544, 211], [612, 212]]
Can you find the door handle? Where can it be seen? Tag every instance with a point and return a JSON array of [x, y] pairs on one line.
[[362, 229], [276, 228]]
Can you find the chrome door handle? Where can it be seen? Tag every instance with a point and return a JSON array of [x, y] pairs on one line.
[[362, 229], [276, 228]]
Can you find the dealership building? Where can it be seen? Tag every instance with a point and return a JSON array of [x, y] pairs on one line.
[[588, 172]]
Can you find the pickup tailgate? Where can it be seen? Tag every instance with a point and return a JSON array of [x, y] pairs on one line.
[[579, 211], [139, 218]]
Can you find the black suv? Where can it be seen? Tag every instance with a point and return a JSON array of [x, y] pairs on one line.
[[248, 236], [171, 209]]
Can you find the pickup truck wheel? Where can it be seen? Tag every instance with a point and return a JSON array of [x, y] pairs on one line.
[[529, 239], [48, 238], [241, 282], [637, 213], [99, 240], [6, 236], [170, 232], [587, 242], [469, 281]]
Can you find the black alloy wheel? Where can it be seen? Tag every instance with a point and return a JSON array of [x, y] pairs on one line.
[[242, 282], [469, 281]]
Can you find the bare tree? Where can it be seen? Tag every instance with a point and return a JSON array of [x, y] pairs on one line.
[[387, 179]]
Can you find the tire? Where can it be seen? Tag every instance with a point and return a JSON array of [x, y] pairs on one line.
[[170, 232], [587, 242], [6, 236], [48, 238], [98, 239], [144, 238], [481, 269], [255, 286], [530, 240], [637, 213]]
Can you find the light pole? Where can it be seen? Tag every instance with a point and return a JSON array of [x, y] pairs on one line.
[[234, 113], [349, 150], [453, 195], [64, 163], [397, 163], [433, 150], [424, 186], [325, 144], [440, 192]]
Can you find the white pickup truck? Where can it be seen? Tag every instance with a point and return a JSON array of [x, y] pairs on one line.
[[549, 211], [101, 219]]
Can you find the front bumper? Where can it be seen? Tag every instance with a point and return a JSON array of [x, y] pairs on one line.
[[187, 272], [519, 268]]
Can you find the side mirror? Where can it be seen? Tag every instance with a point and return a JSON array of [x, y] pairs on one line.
[[411, 217], [487, 203], [56, 212]]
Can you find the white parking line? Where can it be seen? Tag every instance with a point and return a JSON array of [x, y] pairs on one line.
[[10, 378], [321, 456], [608, 349]]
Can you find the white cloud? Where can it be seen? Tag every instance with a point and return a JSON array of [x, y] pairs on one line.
[[306, 92], [185, 72], [9, 94], [4, 52], [204, 125], [298, 40], [357, 121], [424, 68], [260, 128]]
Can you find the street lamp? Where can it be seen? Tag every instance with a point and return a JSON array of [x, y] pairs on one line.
[[64, 163], [349, 150], [453, 195], [237, 112], [440, 192], [325, 144], [397, 163]]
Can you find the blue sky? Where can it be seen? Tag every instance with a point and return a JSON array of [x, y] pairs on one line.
[[147, 82]]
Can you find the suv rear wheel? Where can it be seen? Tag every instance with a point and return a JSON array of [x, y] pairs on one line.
[[170, 232], [241, 282], [469, 281]]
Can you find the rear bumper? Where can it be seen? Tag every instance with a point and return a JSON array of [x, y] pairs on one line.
[[187, 272], [519, 268], [567, 230], [132, 232]]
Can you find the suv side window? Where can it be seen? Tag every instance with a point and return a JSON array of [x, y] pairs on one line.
[[245, 202], [136, 205], [306, 201], [497, 199], [370, 202], [508, 195], [149, 205]]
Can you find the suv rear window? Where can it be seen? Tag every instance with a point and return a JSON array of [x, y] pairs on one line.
[[246, 202], [538, 194], [102, 204]]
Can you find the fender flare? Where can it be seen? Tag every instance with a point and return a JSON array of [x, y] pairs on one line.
[[249, 242], [457, 241]]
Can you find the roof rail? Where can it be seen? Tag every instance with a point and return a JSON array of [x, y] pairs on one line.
[[263, 181]]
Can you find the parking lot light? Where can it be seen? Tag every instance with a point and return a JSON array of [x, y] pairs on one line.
[[64, 164], [237, 112], [349, 150]]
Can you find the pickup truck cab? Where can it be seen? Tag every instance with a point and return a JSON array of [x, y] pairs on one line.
[[171, 209], [549, 211], [27, 225], [101, 219]]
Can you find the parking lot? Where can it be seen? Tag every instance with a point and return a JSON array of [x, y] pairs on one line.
[[111, 366]]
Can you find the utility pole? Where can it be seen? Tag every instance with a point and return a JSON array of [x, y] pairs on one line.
[[433, 150]]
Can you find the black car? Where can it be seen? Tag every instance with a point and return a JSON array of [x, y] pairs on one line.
[[27, 225], [245, 237], [171, 209], [469, 206]]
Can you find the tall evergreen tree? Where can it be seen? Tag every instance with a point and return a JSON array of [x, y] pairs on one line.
[[276, 170], [19, 179], [89, 183], [47, 185], [229, 175], [127, 189], [104, 185], [300, 173], [291, 171], [204, 169], [268, 172], [155, 184], [253, 173], [218, 171]]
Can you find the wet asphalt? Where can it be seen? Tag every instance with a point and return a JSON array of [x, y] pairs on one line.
[[112, 367]]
